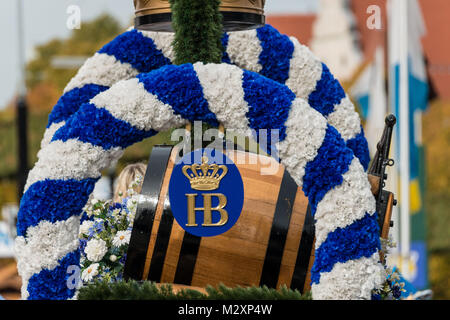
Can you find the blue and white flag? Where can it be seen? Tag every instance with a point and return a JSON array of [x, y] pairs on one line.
[[360, 91], [418, 102], [418, 81]]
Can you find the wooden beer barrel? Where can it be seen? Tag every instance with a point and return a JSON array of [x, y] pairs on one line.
[[270, 244]]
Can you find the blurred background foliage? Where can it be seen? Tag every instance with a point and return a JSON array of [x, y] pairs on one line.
[[45, 84], [436, 133]]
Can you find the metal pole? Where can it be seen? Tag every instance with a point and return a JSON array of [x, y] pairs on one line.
[[404, 137], [394, 176], [22, 114]]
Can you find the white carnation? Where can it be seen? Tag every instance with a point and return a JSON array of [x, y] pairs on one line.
[[90, 272], [121, 238], [85, 226], [95, 250]]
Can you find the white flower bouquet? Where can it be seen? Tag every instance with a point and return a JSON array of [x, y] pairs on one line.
[[104, 237]]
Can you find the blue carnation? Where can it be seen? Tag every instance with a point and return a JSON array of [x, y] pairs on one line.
[[325, 171], [179, 87], [100, 128], [134, 48], [262, 95], [70, 101], [52, 284], [360, 148], [53, 200], [276, 55], [360, 239], [327, 94]]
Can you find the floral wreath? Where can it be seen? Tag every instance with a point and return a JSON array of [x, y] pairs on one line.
[[129, 91]]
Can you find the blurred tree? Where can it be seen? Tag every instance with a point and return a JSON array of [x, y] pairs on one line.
[[436, 129], [38, 68], [436, 135], [43, 96], [45, 84], [82, 42]]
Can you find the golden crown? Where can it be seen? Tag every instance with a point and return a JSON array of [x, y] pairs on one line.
[[144, 7], [204, 176], [237, 14]]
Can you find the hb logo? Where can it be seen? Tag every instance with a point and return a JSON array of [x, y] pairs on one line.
[[206, 177], [206, 197], [207, 209]]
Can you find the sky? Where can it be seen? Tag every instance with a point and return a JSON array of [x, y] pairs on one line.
[[46, 19]]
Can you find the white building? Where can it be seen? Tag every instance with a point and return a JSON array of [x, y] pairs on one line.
[[335, 38]]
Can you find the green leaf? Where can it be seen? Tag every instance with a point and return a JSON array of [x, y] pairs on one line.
[[198, 31], [145, 290]]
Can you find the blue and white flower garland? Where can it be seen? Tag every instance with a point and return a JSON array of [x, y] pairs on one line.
[[99, 116], [264, 50]]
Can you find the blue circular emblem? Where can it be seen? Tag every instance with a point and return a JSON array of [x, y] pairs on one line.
[[206, 193]]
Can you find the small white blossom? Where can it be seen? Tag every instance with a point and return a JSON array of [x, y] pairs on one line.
[[90, 272], [131, 192], [116, 213], [85, 226], [119, 215], [113, 258], [132, 203], [95, 250], [121, 238], [88, 209], [130, 219]]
